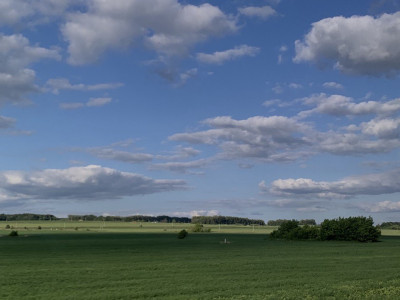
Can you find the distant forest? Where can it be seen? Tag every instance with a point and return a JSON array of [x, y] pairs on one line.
[[135, 218], [213, 220]]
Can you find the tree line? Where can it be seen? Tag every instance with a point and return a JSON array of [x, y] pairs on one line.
[[27, 217], [226, 220], [279, 222], [342, 229], [390, 225], [135, 218]]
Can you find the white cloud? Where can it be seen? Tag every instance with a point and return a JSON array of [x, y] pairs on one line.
[[294, 85], [359, 44], [80, 183], [263, 12], [339, 105], [349, 143], [185, 76], [384, 206], [166, 26], [283, 139], [271, 102], [370, 184], [196, 213], [332, 85], [382, 128], [27, 12], [57, 84], [227, 55], [16, 54], [273, 138]]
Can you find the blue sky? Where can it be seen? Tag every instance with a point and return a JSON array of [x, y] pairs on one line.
[[260, 109]]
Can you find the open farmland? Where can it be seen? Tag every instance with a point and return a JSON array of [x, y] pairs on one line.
[[148, 262]]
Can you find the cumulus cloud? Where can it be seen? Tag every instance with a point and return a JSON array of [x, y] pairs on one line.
[[80, 183], [263, 12], [339, 105], [221, 57], [16, 54], [369, 184], [30, 13], [361, 45], [165, 26], [383, 206], [348, 143], [57, 84], [382, 128], [283, 139], [273, 138]]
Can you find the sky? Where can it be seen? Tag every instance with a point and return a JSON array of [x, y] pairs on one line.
[[269, 110]]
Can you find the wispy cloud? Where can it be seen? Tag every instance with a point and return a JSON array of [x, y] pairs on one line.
[[221, 57], [93, 102], [57, 84]]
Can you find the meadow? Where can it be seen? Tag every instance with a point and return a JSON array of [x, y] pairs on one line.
[[114, 260]]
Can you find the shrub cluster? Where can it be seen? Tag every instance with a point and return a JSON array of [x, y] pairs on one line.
[[199, 228], [182, 234], [13, 233], [290, 230], [342, 229], [350, 229]]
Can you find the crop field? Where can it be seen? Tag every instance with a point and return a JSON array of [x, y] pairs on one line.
[[93, 260]]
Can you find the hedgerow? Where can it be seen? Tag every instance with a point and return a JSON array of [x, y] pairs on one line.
[[342, 229]]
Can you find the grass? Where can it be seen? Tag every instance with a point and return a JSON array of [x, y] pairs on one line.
[[155, 264]]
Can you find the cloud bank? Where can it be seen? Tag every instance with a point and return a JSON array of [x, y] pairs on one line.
[[165, 26], [80, 183]]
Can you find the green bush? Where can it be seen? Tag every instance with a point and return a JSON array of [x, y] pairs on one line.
[[343, 229], [182, 234], [350, 229], [199, 228], [13, 233], [8, 226]]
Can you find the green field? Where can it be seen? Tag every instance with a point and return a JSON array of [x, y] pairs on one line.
[[129, 261]]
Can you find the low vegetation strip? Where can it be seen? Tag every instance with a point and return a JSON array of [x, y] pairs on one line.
[[359, 229]]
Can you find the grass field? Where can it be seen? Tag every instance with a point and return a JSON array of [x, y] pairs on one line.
[[126, 261]]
